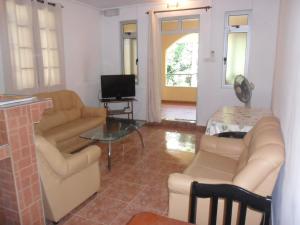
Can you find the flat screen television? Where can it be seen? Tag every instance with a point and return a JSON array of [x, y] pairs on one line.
[[117, 86]]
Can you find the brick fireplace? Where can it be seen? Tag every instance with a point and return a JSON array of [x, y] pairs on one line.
[[20, 189]]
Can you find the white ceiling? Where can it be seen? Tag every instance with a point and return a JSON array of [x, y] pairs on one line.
[[116, 3]]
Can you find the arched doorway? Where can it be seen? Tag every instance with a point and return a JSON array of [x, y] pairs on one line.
[[180, 47]]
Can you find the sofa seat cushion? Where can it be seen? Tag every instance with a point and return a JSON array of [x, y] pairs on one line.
[[71, 129], [212, 166], [51, 119]]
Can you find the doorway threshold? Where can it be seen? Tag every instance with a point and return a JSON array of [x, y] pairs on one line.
[[182, 120]]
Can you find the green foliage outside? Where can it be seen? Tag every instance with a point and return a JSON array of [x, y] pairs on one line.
[[181, 62]]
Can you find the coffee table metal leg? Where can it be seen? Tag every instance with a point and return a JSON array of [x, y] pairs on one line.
[[109, 155], [135, 128], [141, 137]]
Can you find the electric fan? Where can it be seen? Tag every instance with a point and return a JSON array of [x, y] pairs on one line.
[[243, 89]]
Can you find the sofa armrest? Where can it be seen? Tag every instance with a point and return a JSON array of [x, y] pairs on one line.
[[93, 112], [81, 160], [181, 183], [228, 147]]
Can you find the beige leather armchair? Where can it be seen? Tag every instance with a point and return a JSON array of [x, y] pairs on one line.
[[67, 180], [252, 163]]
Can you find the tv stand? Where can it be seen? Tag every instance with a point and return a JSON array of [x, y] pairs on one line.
[[127, 109]]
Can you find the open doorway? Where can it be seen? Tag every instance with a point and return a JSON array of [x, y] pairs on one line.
[[180, 47]]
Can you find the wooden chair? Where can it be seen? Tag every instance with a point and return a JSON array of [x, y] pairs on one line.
[[231, 194]]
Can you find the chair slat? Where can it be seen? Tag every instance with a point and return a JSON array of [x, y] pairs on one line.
[[193, 204], [266, 218], [242, 214], [228, 211], [213, 211]]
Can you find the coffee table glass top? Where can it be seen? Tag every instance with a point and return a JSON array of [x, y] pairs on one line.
[[114, 129]]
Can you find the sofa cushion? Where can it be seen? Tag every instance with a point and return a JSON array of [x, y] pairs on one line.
[[67, 107], [50, 120], [210, 165], [242, 160], [63, 100], [57, 118], [265, 136], [73, 128]]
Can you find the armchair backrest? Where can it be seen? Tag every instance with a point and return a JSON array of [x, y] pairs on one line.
[[259, 164], [67, 106], [50, 158]]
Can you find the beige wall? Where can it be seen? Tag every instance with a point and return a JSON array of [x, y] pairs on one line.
[[211, 95], [174, 93]]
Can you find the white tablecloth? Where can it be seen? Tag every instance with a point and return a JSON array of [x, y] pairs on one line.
[[235, 118]]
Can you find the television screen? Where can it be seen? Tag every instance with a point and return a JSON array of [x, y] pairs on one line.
[[117, 86]]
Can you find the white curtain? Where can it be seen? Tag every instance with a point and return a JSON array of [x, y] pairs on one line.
[[154, 70], [18, 44], [31, 36], [48, 31]]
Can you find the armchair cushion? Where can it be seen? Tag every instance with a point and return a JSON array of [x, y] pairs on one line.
[[81, 160]]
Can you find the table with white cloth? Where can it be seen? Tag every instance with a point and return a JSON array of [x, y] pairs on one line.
[[235, 119]]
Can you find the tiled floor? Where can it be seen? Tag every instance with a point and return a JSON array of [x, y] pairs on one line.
[[178, 111], [138, 179]]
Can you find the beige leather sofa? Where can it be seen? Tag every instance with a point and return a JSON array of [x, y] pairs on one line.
[[62, 124], [252, 163], [67, 180]]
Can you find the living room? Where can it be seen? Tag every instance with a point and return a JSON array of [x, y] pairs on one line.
[[91, 46]]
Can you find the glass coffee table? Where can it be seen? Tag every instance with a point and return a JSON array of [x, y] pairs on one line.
[[114, 130]]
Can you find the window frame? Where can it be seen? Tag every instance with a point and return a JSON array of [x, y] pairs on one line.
[[126, 36], [233, 29], [179, 29]]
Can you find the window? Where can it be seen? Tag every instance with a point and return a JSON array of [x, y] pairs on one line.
[[34, 46], [236, 48], [129, 48], [175, 25], [170, 25], [180, 41]]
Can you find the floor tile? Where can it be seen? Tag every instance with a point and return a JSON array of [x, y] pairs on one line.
[[143, 176], [77, 220], [102, 210], [155, 198], [122, 190]]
